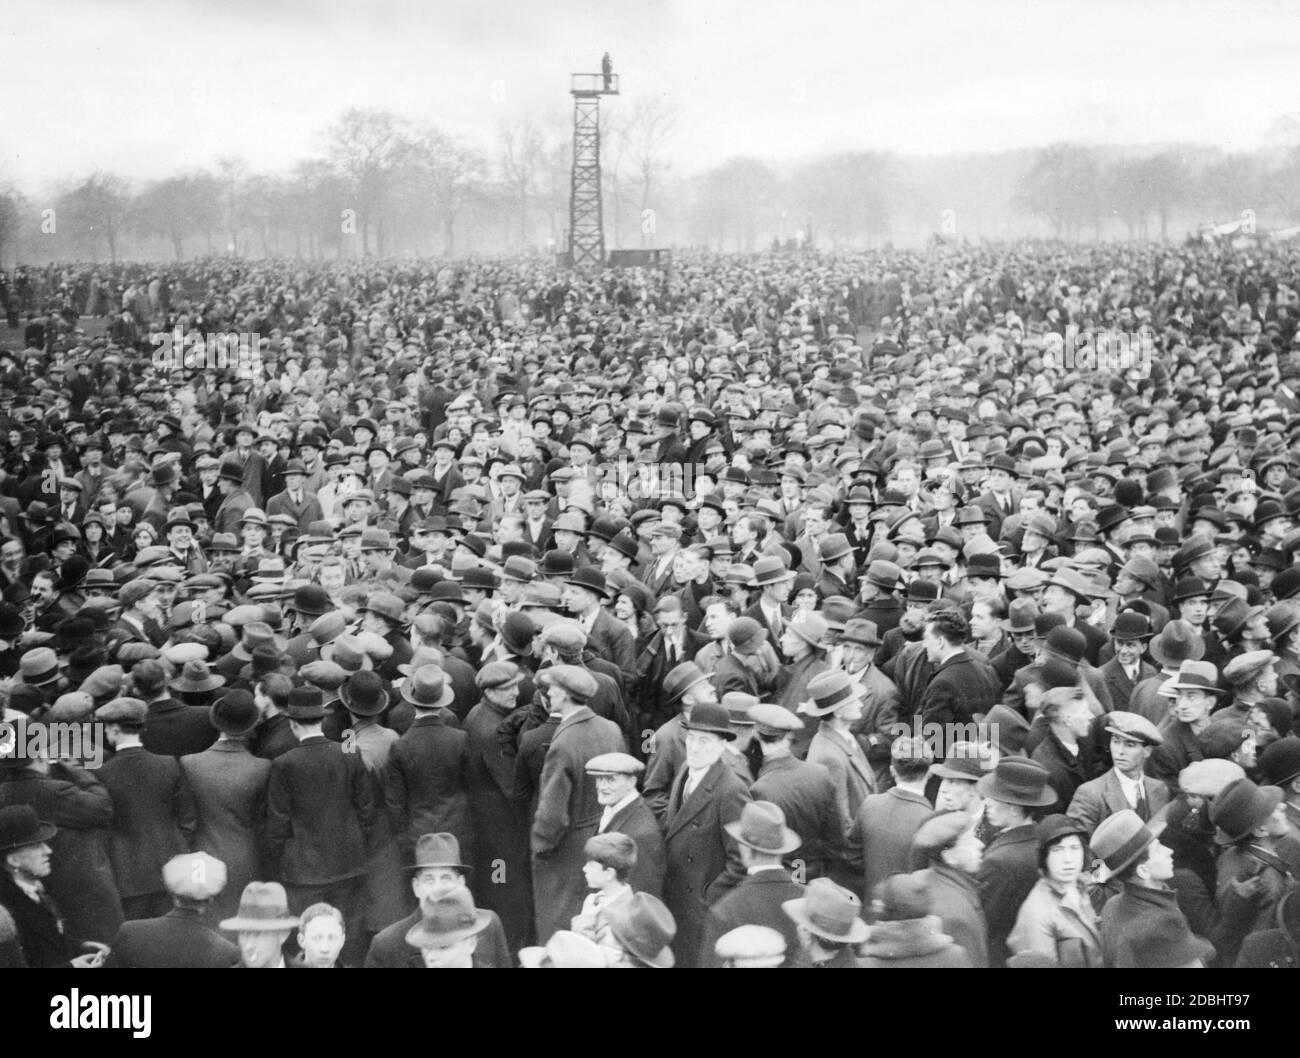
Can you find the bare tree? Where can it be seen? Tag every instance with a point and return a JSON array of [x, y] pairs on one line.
[[1062, 187], [648, 133], [98, 208], [176, 207], [520, 159], [368, 148]]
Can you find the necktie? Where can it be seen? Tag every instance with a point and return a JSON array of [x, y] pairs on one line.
[[296, 497], [778, 626], [671, 653], [1141, 808]]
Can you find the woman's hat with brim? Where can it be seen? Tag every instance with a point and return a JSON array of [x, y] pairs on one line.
[[451, 918], [263, 908]]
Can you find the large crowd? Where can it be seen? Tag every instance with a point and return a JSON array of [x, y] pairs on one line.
[[790, 610]]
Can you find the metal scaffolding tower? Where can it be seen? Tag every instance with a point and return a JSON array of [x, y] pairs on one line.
[[586, 218]]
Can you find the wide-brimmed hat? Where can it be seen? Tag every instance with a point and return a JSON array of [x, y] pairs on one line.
[[449, 919], [37, 667], [428, 688], [829, 911], [830, 690], [771, 570], [1177, 642], [1240, 808], [196, 677], [1018, 781], [967, 761], [263, 908], [644, 927], [438, 850], [762, 827], [1120, 839], [20, 826]]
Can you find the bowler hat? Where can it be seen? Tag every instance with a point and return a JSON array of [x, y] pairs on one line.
[[712, 718], [20, 827], [1240, 808], [234, 713], [590, 579], [363, 694], [1280, 761]]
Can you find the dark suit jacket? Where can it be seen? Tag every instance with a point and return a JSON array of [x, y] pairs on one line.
[[955, 898], [1065, 774], [424, 787], [177, 940], [613, 641], [639, 823], [880, 843], [1120, 686], [703, 859], [1103, 797], [306, 512], [567, 815], [756, 901], [806, 794], [173, 729], [959, 688], [153, 817], [273, 737], [320, 814], [81, 881], [228, 785], [40, 926], [1007, 873]]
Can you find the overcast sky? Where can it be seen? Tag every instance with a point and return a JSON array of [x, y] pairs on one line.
[[151, 87]]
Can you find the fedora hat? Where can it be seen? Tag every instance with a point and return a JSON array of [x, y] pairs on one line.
[[1197, 676], [1240, 808], [20, 827], [810, 627], [830, 690], [967, 761], [195, 678], [1177, 642], [363, 694], [591, 579], [1120, 839], [348, 652], [771, 570], [762, 827], [862, 632], [450, 919], [428, 688], [830, 911], [1020, 616], [38, 667], [1018, 781], [438, 850], [263, 908], [644, 927], [386, 605], [681, 679]]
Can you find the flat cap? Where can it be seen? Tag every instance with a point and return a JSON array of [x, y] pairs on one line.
[[578, 682], [750, 942], [773, 719], [122, 711], [614, 764], [565, 635], [194, 876], [1135, 726], [1246, 667], [941, 831], [498, 674]]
